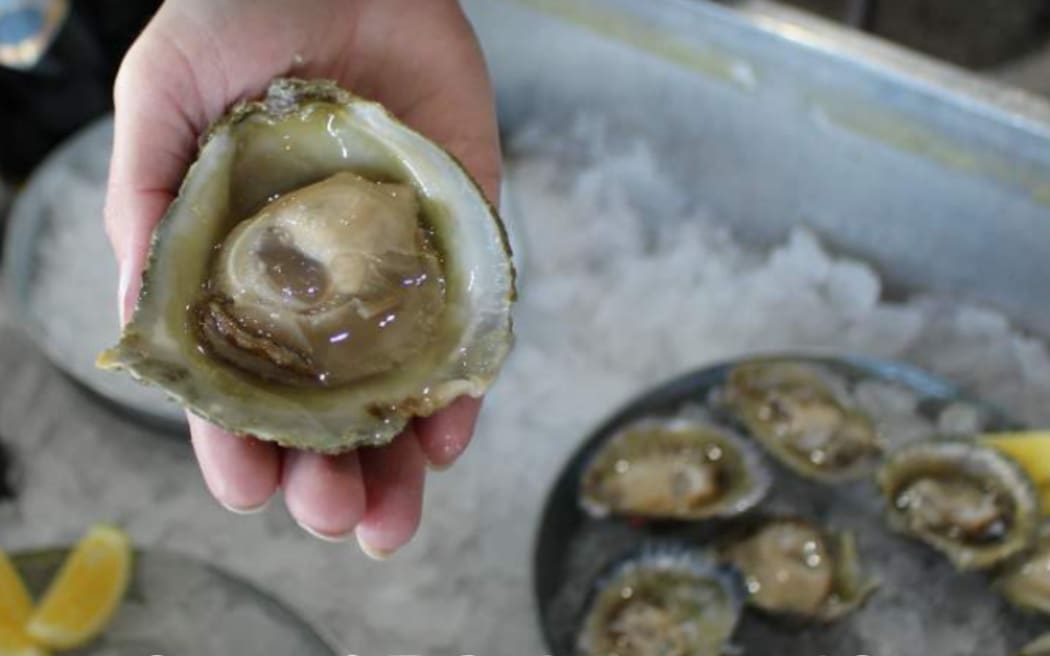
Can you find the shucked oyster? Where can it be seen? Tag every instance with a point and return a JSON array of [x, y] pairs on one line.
[[792, 568], [799, 416], [663, 604], [676, 469], [970, 502], [1026, 581], [325, 275]]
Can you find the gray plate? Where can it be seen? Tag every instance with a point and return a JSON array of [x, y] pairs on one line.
[[177, 605], [64, 198]]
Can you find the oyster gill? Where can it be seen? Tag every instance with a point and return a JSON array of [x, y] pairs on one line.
[[676, 469], [663, 604], [793, 568], [796, 412], [324, 275], [970, 502]]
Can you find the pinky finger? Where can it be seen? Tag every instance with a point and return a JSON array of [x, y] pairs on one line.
[[241, 472], [445, 435], [394, 489]]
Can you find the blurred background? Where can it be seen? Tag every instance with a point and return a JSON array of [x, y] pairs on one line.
[[866, 176], [64, 81], [55, 78]]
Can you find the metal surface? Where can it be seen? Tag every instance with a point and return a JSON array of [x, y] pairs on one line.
[[1031, 72], [770, 118]]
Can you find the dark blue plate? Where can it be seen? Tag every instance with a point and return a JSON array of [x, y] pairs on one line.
[[572, 550]]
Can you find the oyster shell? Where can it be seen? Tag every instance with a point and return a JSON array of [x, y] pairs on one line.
[[663, 603], [793, 568], [970, 502], [1026, 582], [679, 468], [798, 414], [324, 275]]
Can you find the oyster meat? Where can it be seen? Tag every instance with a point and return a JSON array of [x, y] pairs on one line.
[[324, 275], [792, 568], [1026, 581], [797, 412], [673, 603], [677, 468], [970, 502]]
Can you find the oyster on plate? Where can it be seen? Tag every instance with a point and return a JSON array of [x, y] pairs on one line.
[[801, 416], [1026, 581], [970, 502], [680, 468], [324, 275], [794, 569], [663, 603]]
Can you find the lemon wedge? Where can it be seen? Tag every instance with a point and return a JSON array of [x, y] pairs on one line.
[[15, 603], [14, 642], [86, 592], [1031, 450]]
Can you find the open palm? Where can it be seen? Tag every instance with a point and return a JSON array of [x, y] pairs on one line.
[[196, 58]]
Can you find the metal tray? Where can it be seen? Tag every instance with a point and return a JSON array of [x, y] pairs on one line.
[[770, 117]]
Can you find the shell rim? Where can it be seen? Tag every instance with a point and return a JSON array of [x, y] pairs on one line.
[[856, 471], [1023, 534], [750, 458]]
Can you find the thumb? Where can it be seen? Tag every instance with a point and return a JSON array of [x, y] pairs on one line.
[[157, 116]]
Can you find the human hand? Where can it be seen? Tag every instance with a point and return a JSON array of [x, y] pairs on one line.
[[197, 57]]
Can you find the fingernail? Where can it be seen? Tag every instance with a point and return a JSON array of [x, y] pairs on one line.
[[434, 467], [250, 510], [373, 552], [326, 536], [122, 292]]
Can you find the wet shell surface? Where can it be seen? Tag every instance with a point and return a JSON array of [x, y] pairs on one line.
[[680, 468], [972, 503], [798, 413], [665, 602], [324, 275]]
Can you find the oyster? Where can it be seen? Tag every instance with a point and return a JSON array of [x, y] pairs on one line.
[[796, 412], [663, 603], [792, 568], [675, 469], [324, 275], [1026, 582], [970, 502]]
